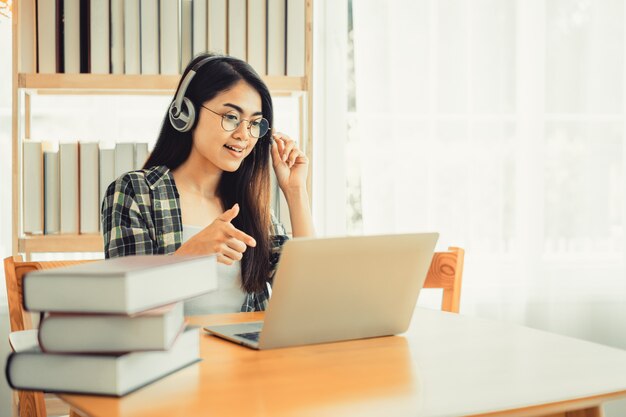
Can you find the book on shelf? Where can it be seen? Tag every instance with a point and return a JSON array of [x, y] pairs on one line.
[[89, 187], [69, 189], [276, 37], [99, 53], [124, 158], [199, 40], [237, 28], [186, 33], [71, 36], [132, 53], [216, 23], [28, 36], [169, 38], [125, 285], [47, 44], [33, 369], [154, 329], [149, 36], [107, 169], [141, 154], [296, 20], [117, 37], [257, 35], [51, 187], [33, 179]]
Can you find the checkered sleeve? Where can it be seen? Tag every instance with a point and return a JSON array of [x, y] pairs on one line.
[[124, 227]]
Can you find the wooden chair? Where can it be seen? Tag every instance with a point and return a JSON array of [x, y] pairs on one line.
[[446, 271], [30, 403]]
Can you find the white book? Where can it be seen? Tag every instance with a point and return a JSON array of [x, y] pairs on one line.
[[199, 10], [33, 187], [124, 158], [149, 36], [68, 182], [186, 33], [89, 188], [132, 34], [141, 154], [46, 36], [27, 36], [124, 285], [276, 37], [154, 329], [257, 35], [216, 22], [99, 36], [51, 188], [71, 36], [107, 170], [118, 374], [237, 28], [117, 36], [296, 24], [170, 37]]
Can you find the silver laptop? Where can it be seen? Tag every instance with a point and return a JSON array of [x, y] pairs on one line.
[[334, 289]]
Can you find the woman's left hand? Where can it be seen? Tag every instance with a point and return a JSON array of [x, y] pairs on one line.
[[291, 165]]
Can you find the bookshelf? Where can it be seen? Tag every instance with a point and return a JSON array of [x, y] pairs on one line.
[[25, 84]]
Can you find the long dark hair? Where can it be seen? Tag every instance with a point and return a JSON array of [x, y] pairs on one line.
[[250, 184]]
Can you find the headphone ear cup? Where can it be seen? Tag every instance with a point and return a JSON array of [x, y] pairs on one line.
[[186, 118]]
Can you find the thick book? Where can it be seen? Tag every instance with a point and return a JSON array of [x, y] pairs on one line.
[[237, 28], [169, 37], [125, 285], [27, 34], [69, 186], [99, 36], [199, 10], [112, 375], [71, 36], [124, 158], [47, 52], [89, 187], [154, 329], [276, 37], [257, 35], [216, 22], [51, 200], [33, 187], [186, 33], [296, 23], [149, 36], [132, 34]]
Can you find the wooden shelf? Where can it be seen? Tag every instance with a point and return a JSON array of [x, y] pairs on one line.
[[61, 243], [130, 84]]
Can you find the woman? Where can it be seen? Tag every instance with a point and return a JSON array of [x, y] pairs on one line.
[[205, 187]]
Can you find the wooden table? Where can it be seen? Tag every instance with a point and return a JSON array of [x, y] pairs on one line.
[[445, 365]]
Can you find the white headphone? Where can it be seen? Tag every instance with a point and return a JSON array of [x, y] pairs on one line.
[[182, 113]]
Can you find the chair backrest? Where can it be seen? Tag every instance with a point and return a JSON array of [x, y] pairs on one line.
[[31, 403], [446, 271]]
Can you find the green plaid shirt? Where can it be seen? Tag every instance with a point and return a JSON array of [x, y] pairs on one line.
[[141, 216]]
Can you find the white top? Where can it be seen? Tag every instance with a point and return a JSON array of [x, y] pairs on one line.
[[228, 298]]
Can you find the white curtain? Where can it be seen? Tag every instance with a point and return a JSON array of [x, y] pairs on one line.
[[499, 124]]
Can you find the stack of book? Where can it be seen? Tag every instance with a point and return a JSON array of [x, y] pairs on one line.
[[109, 327]]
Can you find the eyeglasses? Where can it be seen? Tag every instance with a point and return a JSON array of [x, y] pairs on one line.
[[230, 121]]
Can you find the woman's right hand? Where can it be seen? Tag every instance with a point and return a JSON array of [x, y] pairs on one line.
[[220, 238]]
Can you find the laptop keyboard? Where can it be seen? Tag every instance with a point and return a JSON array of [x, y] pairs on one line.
[[254, 336]]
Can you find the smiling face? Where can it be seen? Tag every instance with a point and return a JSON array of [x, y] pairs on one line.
[[227, 150]]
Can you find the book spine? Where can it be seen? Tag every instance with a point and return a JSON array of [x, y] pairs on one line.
[[69, 184], [170, 39], [107, 170], [276, 37], [199, 10], [186, 31], [27, 37], [117, 37], [132, 32], [124, 158], [71, 36], [33, 187], [149, 36], [237, 28], [99, 36], [217, 26], [89, 188], [257, 35], [296, 19], [46, 36], [51, 201], [141, 154]]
